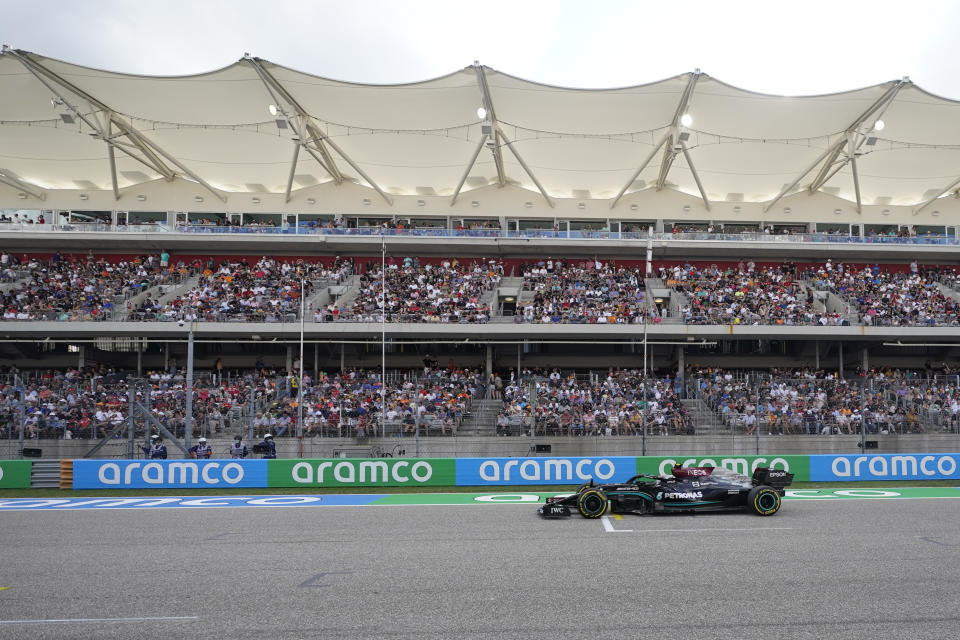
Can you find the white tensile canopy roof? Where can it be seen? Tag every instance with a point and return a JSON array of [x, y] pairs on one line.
[[64, 126]]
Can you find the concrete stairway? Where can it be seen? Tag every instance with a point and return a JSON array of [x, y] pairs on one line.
[[833, 303], [705, 420], [350, 286], [170, 291], [947, 292], [482, 420]]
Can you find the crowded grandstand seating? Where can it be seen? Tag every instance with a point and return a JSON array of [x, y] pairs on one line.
[[448, 291], [802, 401], [451, 290], [267, 290], [89, 403], [589, 292], [77, 289], [884, 298], [746, 295], [604, 404]]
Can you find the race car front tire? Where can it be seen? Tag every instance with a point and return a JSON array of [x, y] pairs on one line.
[[763, 501], [592, 503]]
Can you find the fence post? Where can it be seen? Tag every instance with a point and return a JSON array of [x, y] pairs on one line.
[[131, 427], [757, 423]]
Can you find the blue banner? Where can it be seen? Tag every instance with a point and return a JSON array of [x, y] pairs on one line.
[[168, 474], [885, 466], [537, 471], [205, 502]]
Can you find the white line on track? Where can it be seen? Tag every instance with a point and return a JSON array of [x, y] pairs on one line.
[[82, 620], [708, 530], [608, 526]]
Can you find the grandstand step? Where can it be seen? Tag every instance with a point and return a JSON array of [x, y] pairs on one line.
[[705, 420], [948, 292]]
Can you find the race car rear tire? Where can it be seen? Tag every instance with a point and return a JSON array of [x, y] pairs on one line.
[[763, 501], [592, 503]]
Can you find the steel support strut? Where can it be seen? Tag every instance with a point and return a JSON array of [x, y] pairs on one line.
[[22, 186], [308, 134], [672, 147], [490, 120], [150, 152]]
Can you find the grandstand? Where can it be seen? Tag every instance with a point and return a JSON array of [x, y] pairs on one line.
[[476, 259]]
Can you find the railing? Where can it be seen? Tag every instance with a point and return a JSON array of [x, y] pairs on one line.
[[433, 232]]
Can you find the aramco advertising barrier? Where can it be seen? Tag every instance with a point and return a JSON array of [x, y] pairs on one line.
[[885, 466], [169, 474], [15, 474], [477, 472], [361, 472], [540, 471]]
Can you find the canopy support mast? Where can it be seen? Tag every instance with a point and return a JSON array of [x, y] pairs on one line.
[[829, 157], [672, 147], [307, 131], [491, 126], [148, 148]]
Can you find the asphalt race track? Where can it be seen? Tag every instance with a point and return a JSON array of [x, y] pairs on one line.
[[818, 569]]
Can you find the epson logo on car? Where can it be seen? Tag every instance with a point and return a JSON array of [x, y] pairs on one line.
[[206, 473], [547, 470]]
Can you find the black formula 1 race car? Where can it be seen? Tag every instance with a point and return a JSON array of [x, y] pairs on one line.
[[691, 489]]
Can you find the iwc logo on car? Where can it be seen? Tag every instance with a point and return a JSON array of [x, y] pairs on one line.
[[683, 495]]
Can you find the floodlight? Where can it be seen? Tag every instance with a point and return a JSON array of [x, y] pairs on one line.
[[481, 113], [272, 109], [686, 119], [879, 125]]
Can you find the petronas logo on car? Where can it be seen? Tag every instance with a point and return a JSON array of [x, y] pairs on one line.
[[683, 495]]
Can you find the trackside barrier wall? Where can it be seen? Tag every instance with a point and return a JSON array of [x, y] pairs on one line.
[[15, 474], [359, 472], [479, 472], [539, 471], [885, 466], [169, 474]]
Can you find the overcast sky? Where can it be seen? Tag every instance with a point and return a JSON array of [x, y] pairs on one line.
[[770, 46]]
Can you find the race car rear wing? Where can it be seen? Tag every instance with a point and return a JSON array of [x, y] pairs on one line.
[[776, 478]]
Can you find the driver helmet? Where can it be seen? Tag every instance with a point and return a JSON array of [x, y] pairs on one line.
[[268, 437], [202, 440], [154, 437]]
